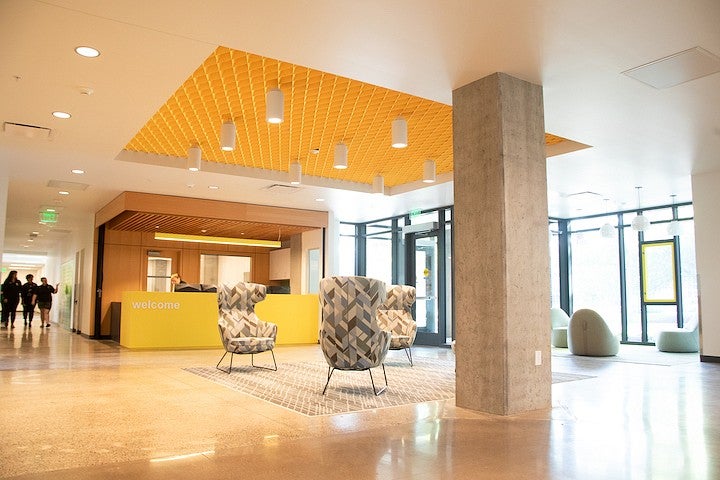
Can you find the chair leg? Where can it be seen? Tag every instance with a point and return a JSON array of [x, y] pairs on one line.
[[330, 372], [378, 392], [221, 359], [408, 352], [252, 356]]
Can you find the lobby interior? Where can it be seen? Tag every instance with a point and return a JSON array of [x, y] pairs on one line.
[[87, 408]]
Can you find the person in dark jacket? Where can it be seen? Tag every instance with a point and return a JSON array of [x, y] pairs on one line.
[[43, 298], [26, 296], [10, 298]]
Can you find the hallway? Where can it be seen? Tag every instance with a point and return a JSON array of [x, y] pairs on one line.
[[79, 408]]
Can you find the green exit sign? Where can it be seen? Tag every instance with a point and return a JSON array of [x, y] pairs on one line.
[[48, 217], [414, 212]]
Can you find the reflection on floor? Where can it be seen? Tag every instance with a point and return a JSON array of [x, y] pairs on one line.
[[78, 408]]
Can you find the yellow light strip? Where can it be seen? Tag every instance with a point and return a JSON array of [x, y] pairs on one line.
[[249, 242]]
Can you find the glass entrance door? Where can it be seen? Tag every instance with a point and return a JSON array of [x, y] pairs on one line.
[[422, 271]]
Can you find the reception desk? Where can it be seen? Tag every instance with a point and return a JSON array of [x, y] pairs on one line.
[[189, 320]]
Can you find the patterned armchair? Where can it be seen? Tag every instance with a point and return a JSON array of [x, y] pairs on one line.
[[395, 316], [240, 328], [351, 338]]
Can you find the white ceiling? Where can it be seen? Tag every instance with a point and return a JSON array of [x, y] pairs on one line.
[[640, 136]]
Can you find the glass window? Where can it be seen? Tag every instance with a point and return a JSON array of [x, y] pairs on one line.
[[685, 211], [449, 334], [313, 270], [346, 249], [595, 279], [658, 214], [224, 269], [424, 218], [632, 284], [659, 272], [379, 258], [589, 223], [657, 231], [158, 274], [554, 265], [688, 273], [660, 317]]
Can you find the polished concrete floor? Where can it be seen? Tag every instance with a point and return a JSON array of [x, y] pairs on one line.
[[73, 408]]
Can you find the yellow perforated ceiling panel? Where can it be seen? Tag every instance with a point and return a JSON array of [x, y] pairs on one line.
[[320, 110]]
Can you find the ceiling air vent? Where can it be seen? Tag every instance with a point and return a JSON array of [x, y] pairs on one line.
[[280, 188], [64, 185], [27, 131]]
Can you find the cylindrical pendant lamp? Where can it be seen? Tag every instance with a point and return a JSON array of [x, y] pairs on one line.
[[274, 106], [227, 136], [429, 171], [194, 158], [340, 160], [378, 185], [295, 171], [399, 133]]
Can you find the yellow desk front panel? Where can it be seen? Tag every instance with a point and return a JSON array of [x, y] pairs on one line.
[[189, 320], [169, 320], [295, 315]]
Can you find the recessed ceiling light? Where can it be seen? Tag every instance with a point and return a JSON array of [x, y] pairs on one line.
[[319, 199], [88, 52], [213, 187], [36, 233], [61, 114], [30, 240], [77, 171], [63, 192], [203, 230], [26, 246], [49, 209]]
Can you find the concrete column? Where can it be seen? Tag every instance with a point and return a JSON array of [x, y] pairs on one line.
[[501, 258]]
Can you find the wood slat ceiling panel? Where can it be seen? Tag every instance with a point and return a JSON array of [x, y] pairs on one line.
[[151, 222]]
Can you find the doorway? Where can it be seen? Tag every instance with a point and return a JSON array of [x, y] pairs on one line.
[[423, 266]]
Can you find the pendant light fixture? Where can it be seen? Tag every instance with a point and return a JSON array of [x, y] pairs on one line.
[[274, 106], [295, 171], [227, 136], [674, 229], [640, 223], [340, 160], [429, 171], [194, 158], [399, 133], [607, 230], [378, 185]]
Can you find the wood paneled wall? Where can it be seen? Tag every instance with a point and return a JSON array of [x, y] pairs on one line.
[[125, 263]]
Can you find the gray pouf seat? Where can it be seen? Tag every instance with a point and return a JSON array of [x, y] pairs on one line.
[[679, 340], [589, 335]]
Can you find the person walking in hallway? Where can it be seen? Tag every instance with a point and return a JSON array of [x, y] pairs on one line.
[[43, 298], [26, 296], [10, 291]]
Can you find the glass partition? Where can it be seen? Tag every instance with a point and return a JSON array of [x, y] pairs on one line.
[[595, 279]]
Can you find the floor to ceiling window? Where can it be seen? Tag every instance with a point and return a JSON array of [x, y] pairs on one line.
[[588, 268]]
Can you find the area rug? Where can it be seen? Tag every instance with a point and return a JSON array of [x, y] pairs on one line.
[[298, 386]]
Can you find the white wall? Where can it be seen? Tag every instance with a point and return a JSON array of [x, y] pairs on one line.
[[73, 243], [706, 199]]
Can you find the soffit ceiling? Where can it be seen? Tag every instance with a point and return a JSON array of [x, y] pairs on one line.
[[187, 225], [320, 110]]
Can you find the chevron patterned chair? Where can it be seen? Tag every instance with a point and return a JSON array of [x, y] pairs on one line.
[[395, 316], [350, 337], [241, 331]]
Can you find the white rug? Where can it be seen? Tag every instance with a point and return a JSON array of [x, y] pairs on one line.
[[298, 386]]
